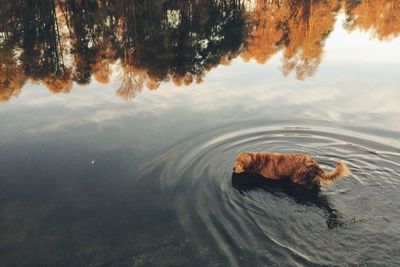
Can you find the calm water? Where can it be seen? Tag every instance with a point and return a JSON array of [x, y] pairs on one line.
[[120, 123]]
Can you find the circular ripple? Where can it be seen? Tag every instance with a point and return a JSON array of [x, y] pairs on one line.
[[354, 220]]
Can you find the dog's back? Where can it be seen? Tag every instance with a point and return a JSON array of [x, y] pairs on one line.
[[299, 168]]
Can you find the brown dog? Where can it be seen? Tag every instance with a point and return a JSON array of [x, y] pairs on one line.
[[300, 169]]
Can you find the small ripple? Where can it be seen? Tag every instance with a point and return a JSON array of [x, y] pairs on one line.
[[266, 220]]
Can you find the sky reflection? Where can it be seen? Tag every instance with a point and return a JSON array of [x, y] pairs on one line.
[[137, 176]]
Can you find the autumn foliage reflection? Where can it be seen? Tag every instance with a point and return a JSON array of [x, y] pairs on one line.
[[297, 28], [147, 42], [382, 17]]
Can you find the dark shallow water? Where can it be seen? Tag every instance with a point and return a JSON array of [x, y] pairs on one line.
[[255, 223], [119, 133]]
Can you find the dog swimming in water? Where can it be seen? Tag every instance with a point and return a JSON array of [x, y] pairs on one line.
[[298, 168]]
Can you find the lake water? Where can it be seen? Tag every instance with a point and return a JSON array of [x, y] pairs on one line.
[[121, 122]]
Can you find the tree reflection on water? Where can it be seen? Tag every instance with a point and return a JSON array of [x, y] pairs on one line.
[[151, 42]]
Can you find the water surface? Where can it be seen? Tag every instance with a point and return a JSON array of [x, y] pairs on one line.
[[120, 123]]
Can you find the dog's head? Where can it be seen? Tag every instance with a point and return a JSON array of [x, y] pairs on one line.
[[244, 162]]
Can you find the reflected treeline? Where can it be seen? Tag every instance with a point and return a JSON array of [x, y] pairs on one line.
[[382, 17], [297, 28], [65, 41], [146, 42]]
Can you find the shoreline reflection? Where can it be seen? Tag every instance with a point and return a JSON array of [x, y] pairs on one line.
[[153, 42]]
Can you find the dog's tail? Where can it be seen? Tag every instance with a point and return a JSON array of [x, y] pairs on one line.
[[330, 176]]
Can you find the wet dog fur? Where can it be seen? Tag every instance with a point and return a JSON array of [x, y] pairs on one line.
[[298, 168]]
